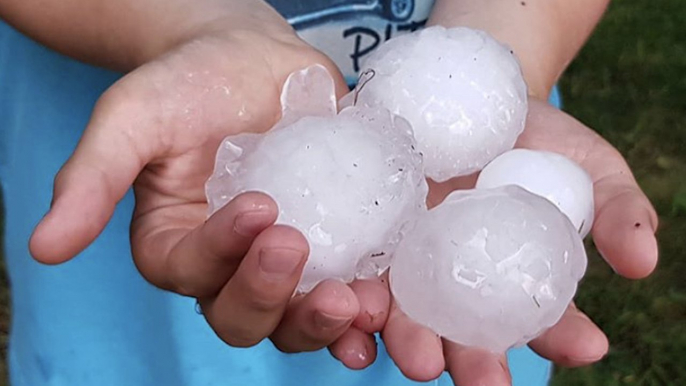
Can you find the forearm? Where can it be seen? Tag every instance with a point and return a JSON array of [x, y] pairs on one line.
[[123, 34], [545, 34]]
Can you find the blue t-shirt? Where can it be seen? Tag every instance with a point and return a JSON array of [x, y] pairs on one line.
[[94, 320]]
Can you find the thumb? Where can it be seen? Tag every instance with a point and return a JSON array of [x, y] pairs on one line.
[[105, 163]]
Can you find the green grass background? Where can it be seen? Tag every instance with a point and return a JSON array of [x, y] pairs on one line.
[[629, 83]]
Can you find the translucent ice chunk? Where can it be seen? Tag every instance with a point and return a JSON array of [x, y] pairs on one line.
[[350, 182], [462, 91], [489, 268]]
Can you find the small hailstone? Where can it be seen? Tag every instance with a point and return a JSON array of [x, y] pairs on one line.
[[550, 175], [350, 182], [462, 91], [489, 268]]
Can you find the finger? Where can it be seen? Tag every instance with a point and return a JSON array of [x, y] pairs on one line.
[[317, 319], [374, 298], [625, 221], [252, 303], [198, 263], [100, 171], [574, 341], [416, 350], [624, 228], [475, 367], [356, 349]]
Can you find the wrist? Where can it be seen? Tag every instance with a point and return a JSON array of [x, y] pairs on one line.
[[544, 35], [532, 51], [220, 18]]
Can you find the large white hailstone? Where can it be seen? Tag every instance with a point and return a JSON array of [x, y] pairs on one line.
[[350, 182], [553, 176], [462, 91], [489, 268]]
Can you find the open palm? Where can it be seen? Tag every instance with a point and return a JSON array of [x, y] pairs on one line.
[[158, 129], [623, 231]]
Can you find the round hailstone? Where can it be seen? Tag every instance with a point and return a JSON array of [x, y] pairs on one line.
[[489, 268], [350, 182], [550, 175], [461, 90]]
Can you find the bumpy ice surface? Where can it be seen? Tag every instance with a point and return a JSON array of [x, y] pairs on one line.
[[350, 182], [461, 90], [550, 175], [489, 268]]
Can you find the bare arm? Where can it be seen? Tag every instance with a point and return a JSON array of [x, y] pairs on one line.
[[545, 34], [123, 34]]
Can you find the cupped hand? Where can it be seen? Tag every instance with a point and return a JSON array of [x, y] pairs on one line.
[[158, 129], [623, 231]]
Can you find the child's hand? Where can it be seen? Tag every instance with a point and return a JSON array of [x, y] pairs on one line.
[[159, 128], [623, 231]]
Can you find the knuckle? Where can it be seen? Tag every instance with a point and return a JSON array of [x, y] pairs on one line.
[[185, 289], [263, 300], [116, 100], [150, 272], [186, 283]]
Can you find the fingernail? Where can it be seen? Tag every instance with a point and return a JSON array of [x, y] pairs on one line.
[[330, 322], [249, 224], [280, 263]]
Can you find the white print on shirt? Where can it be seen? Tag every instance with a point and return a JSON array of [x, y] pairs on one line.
[[348, 30]]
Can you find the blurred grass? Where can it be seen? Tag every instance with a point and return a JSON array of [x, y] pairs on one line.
[[629, 83]]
